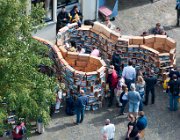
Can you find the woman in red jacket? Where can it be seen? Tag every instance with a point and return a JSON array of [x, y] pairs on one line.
[[112, 80]]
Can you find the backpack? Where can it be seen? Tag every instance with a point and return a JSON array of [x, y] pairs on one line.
[[22, 130]]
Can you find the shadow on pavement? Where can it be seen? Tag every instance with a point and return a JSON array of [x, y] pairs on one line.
[[127, 4]]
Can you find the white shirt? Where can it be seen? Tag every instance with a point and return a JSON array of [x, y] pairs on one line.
[[129, 73], [60, 94], [109, 130], [95, 52]]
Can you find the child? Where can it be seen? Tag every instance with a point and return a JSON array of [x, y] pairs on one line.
[[58, 100], [118, 90], [165, 84], [124, 99]]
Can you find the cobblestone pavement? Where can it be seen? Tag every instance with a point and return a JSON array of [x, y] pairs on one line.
[[135, 16]]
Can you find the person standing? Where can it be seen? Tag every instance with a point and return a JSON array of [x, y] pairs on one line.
[[178, 11], [174, 86], [108, 130], [141, 121], [129, 74], [112, 80], [174, 71], [80, 106], [124, 99], [116, 61], [134, 100], [19, 131], [140, 84], [151, 81], [58, 100], [119, 90], [62, 19]]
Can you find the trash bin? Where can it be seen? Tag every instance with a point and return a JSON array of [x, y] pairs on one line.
[[40, 126]]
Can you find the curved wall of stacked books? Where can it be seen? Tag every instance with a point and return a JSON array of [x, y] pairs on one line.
[[80, 71], [153, 51]]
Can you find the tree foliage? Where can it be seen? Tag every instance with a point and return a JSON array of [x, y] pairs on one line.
[[25, 91]]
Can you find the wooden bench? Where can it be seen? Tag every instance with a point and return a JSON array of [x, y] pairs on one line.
[[106, 12]]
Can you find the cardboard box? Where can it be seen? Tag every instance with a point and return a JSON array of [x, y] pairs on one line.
[[59, 55], [124, 42], [103, 63], [114, 36], [150, 49], [81, 69], [77, 72], [63, 51], [98, 26], [85, 27], [64, 62], [95, 31], [81, 63], [94, 60], [64, 29], [84, 57], [137, 40], [106, 31], [60, 42], [72, 55], [149, 39], [160, 38], [71, 62], [150, 45], [158, 45], [171, 43], [167, 48], [55, 49]]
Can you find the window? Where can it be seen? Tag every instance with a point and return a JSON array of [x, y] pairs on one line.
[[48, 6], [65, 2]]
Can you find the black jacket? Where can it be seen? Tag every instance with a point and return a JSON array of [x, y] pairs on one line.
[[150, 82]]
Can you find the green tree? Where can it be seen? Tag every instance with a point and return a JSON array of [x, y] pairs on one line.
[[24, 90]]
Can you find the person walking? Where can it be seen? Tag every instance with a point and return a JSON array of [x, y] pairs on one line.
[[80, 106], [129, 73], [134, 100], [174, 86], [62, 19], [112, 80], [178, 11], [140, 84], [151, 81], [108, 130], [132, 128]]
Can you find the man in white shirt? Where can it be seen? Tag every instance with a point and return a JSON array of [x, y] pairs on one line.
[[108, 130], [129, 74]]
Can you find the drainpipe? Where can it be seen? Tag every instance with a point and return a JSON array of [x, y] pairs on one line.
[[97, 7]]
